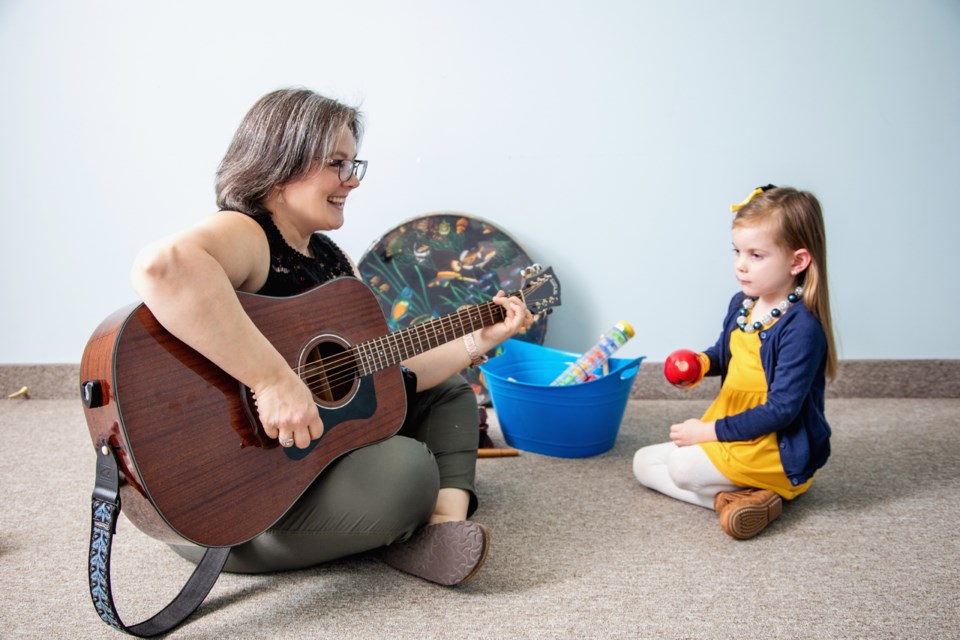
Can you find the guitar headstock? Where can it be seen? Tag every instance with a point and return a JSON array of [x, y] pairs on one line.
[[541, 290]]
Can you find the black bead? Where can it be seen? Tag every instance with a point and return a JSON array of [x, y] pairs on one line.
[[775, 313], [758, 325], [792, 298]]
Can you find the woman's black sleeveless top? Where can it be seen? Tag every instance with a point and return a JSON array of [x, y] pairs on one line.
[[291, 272]]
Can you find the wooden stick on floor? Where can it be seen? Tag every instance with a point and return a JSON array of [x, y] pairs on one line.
[[493, 452]]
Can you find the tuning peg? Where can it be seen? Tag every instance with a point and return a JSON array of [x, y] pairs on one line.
[[531, 271]]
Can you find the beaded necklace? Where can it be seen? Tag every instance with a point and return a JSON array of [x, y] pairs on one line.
[[776, 312]]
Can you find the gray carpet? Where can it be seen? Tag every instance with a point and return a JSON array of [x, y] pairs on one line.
[[579, 549]]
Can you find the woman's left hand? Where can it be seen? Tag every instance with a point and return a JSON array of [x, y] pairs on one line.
[[693, 431], [517, 318], [436, 365]]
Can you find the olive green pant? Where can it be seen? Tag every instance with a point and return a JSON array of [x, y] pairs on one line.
[[375, 495]]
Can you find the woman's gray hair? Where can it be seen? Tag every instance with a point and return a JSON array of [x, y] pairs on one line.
[[280, 139]]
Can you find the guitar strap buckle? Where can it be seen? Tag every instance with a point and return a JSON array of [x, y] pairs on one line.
[[107, 485]]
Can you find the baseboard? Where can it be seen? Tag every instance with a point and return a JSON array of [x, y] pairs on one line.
[[855, 379]]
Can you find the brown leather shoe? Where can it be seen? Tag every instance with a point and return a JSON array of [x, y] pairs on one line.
[[448, 553], [744, 514]]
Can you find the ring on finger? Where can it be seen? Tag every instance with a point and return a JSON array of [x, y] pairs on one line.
[[286, 443]]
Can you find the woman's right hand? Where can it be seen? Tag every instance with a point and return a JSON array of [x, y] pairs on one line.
[[190, 281], [287, 411]]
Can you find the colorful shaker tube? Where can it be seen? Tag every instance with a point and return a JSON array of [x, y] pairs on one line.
[[593, 359]]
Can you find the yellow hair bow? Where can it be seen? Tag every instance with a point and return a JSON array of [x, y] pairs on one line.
[[736, 207], [753, 194]]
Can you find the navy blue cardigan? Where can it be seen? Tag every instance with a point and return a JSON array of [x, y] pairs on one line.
[[794, 356]]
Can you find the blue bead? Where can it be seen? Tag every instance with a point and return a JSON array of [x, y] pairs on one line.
[[792, 298], [758, 325], [775, 312], [743, 312]]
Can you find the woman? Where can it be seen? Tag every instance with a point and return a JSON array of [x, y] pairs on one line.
[[286, 176]]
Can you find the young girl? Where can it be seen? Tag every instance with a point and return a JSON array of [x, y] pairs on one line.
[[765, 435]]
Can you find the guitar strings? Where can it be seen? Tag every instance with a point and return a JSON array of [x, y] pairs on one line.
[[345, 366], [373, 352], [348, 363], [420, 328], [424, 328], [352, 355]]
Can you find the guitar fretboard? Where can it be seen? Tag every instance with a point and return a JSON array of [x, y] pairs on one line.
[[380, 353]]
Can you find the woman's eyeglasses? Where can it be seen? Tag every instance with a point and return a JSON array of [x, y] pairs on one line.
[[348, 168]]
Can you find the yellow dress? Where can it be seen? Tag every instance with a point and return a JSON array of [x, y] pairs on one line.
[[748, 463]]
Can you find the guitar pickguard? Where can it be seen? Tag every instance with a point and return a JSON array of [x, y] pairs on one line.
[[361, 406]]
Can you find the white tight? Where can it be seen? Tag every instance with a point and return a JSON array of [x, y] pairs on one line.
[[684, 473]]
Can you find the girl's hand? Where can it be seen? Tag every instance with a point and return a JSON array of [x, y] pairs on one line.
[[288, 413], [692, 432]]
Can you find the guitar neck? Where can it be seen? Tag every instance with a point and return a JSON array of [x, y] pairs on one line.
[[380, 353]]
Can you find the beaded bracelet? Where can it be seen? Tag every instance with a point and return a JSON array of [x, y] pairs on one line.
[[471, 346]]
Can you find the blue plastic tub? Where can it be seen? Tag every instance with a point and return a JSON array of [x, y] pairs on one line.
[[573, 421]]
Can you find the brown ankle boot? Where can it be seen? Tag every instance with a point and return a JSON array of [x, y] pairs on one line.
[[744, 514]]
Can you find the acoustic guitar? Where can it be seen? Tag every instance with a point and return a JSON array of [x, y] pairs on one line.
[[195, 461]]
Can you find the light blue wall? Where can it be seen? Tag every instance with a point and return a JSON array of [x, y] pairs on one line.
[[608, 137]]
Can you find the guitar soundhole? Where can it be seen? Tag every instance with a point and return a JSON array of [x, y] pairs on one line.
[[328, 367]]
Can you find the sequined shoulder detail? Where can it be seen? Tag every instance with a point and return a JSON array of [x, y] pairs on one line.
[[291, 271]]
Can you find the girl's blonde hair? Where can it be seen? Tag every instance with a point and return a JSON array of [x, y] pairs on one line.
[[796, 222]]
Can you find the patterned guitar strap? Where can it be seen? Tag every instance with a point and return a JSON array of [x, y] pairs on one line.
[[106, 510]]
